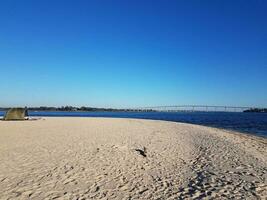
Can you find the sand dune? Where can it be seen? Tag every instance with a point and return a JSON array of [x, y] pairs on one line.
[[98, 158]]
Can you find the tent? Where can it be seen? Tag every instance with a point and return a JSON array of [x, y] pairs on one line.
[[16, 114]]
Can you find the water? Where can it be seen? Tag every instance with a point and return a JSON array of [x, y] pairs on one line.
[[252, 123]]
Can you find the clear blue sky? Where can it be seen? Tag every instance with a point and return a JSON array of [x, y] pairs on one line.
[[133, 53]]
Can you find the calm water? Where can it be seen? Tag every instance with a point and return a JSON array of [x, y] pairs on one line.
[[253, 123]]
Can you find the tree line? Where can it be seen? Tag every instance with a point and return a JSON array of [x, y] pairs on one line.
[[256, 110], [82, 108]]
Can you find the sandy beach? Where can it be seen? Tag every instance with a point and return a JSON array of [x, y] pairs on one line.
[[107, 158]]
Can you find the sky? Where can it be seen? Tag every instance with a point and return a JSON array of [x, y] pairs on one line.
[[110, 53]]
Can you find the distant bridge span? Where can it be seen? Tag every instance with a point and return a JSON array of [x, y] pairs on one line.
[[195, 108]]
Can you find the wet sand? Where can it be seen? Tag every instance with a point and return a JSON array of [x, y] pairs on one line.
[[105, 158]]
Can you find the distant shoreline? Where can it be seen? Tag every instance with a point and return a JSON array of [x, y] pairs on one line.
[[94, 109], [257, 110], [81, 109]]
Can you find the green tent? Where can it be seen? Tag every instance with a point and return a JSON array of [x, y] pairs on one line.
[[16, 114]]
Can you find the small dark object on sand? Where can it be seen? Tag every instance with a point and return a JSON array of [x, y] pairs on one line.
[[142, 152]]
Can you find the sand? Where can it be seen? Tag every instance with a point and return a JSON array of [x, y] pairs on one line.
[[101, 158]]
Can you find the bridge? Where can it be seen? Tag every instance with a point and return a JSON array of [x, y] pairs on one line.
[[195, 108]]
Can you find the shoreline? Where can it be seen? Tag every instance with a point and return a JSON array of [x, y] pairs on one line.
[[246, 133], [115, 158]]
